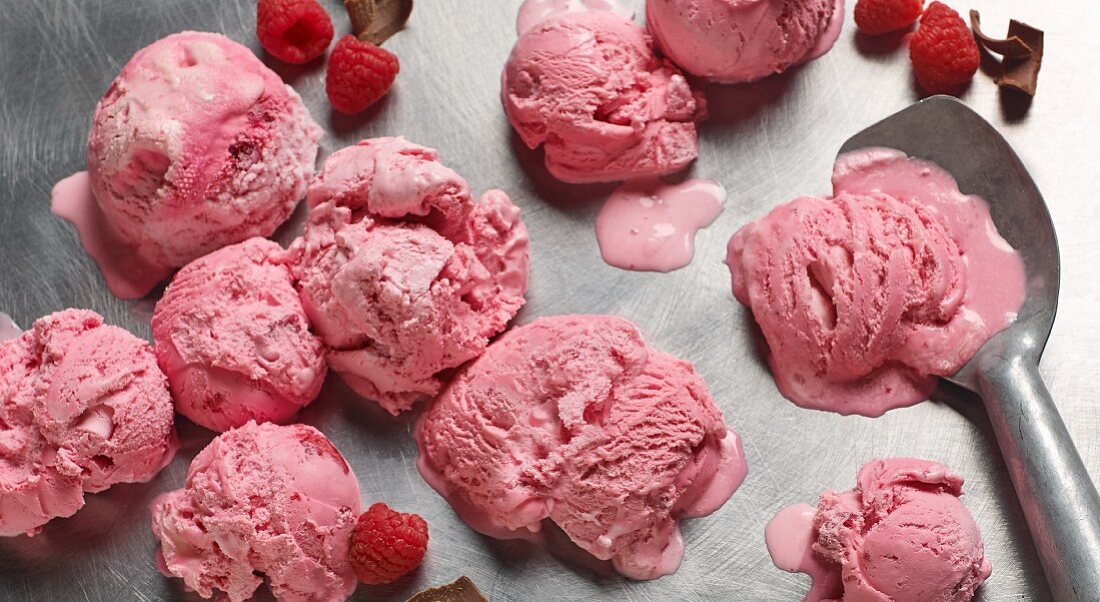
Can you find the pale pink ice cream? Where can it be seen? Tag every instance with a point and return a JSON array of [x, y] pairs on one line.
[[402, 273], [83, 406], [902, 535], [589, 88], [577, 420], [733, 41], [262, 501], [533, 12], [196, 145], [869, 295], [234, 340]]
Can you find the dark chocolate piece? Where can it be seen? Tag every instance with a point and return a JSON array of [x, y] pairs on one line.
[[375, 21], [462, 590], [1023, 52]]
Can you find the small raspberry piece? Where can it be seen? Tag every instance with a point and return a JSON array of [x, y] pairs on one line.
[[943, 51], [874, 17], [295, 31], [359, 73], [385, 545]]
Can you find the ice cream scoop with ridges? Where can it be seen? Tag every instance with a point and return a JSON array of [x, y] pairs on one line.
[[402, 273], [865, 297], [262, 501], [196, 145], [589, 88], [576, 420], [83, 406], [234, 340]]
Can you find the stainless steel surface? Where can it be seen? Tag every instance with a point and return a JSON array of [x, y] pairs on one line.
[[765, 142], [1058, 498]]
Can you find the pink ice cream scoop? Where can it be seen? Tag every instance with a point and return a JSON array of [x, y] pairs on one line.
[[902, 535], [588, 87], [83, 406], [867, 296], [196, 145], [735, 41], [402, 273], [576, 420], [234, 340], [262, 501]]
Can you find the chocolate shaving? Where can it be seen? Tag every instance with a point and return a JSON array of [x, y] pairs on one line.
[[375, 21], [462, 590], [1013, 47], [1020, 70]]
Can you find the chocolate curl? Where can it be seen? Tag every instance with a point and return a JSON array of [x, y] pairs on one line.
[[1022, 51], [375, 21]]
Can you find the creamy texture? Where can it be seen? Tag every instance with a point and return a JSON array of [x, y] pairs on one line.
[[533, 12], [902, 535], [589, 88], [402, 273], [733, 41], [83, 406], [234, 340], [576, 420], [649, 225], [262, 501], [866, 297], [8, 328], [195, 145]]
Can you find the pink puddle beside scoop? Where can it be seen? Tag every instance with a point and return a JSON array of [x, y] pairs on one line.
[[533, 12], [575, 419], [195, 145], [8, 328], [649, 225], [902, 535], [866, 297]]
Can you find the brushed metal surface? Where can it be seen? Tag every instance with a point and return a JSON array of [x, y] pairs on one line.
[[765, 142]]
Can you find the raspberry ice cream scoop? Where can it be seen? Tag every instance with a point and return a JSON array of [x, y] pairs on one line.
[[234, 340], [902, 535], [402, 273], [196, 145], [869, 295], [588, 87], [262, 501], [733, 41], [575, 419], [83, 406]]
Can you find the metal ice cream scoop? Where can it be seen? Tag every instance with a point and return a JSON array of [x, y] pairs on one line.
[[1059, 500]]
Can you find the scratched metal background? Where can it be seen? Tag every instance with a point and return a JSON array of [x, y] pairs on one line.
[[765, 142]]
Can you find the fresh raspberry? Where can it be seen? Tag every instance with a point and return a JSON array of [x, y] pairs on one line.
[[385, 545], [359, 73], [943, 51], [295, 31], [874, 17]]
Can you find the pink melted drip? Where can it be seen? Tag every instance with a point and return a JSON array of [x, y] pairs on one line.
[[8, 329], [533, 12], [128, 276], [648, 225], [790, 539]]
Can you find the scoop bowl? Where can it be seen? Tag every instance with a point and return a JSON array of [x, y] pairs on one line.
[[1058, 498]]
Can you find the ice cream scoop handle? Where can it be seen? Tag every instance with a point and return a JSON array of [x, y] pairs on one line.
[[1059, 500]]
